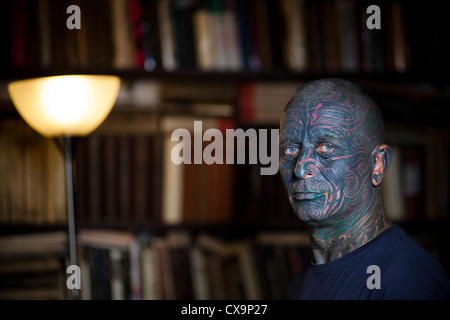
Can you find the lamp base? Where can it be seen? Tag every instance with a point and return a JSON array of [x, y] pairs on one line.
[[70, 207]]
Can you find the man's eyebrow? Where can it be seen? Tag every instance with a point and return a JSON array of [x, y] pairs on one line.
[[328, 134], [287, 140]]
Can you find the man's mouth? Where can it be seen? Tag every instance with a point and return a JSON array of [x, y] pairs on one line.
[[307, 195]]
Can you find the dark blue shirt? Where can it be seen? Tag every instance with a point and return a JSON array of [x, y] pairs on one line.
[[406, 271]]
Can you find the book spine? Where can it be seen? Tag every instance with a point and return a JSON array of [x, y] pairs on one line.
[[137, 35], [167, 36]]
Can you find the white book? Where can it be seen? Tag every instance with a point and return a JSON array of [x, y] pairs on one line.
[[168, 47], [203, 33], [122, 36]]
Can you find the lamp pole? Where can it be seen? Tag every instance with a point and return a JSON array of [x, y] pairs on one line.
[[93, 96], [70, 206]]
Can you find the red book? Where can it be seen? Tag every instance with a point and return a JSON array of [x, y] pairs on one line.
[[19, 34], [135, 11], [246, 102], [412, 183]]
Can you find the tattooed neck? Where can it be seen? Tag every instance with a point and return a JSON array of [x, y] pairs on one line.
[[332, 241]]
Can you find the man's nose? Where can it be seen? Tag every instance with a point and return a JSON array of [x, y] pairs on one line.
[[304, 164]]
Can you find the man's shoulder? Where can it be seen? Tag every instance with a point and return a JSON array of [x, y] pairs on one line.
[[397, 248], [409, 271], [416, 286]]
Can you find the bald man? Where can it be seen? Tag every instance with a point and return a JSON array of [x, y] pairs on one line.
[[332, 160]]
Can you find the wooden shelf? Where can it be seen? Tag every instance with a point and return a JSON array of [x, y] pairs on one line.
[[435, 78]]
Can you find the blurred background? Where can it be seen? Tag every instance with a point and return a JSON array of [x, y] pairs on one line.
[[149, 229]]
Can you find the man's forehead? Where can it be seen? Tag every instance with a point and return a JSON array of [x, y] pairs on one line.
[[318, 115]]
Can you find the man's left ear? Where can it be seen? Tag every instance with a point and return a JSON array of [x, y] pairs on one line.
[[381, 158]]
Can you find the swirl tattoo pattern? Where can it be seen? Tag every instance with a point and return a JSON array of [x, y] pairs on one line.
[[330, 132]]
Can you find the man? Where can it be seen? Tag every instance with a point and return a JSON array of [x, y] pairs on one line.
[[332, 161]]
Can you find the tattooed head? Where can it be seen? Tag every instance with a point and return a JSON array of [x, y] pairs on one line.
[[332, 152]]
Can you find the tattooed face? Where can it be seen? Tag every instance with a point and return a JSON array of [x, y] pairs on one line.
[[326, 144]]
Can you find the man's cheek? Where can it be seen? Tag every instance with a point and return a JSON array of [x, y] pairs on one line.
[[286, 176], [356, 178], [351, 185]]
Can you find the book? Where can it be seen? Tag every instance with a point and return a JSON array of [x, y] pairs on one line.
[[33, 266], [412, 173], [436, 189], [247, 30], [94, 185], [330, 36], [231, 37], [281, 256], [248, 270], [392, 187], [199, 274], [33, 244], [97, 23], [86, 292], [111, 259], [44, 33], [163, 284], [141, 172], [190, 188], [172, 178], [276, 34], [347, 19], [137, 32], [204, 39], [398, 41], [263, 103], [167, 36], [124, 173], [33, 192], [149, 272], [123, 47], [183, 31], [315, 37], [151, 32], [110, 195], [105, 238], [80, 172], [217, 27], [215, 273], [295, 49], [117, 277], [19, 36], [179, 243]]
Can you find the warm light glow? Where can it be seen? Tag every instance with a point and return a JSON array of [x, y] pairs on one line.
[[65, 105]]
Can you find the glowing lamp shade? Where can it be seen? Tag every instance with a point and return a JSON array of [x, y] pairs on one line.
[[72, 105]]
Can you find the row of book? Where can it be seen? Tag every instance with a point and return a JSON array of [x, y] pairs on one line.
[[208, 35], [175, 265], [178, 266], [117, 178], [125, 174], [414, 187], [32, 188], [131, 178], [32, 266], [262, 103]]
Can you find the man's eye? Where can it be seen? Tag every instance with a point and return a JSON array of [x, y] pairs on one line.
[[325, 148], [291, 150]]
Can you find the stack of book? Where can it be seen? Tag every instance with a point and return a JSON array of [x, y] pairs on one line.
[[210, 35], [179, 265], [32, 266]]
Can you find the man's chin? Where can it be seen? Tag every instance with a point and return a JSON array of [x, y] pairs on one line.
[[310, 213]]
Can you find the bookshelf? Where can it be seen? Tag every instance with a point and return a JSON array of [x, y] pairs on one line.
[[231, 64]]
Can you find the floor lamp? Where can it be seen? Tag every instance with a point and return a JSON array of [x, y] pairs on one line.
[[66, 106]]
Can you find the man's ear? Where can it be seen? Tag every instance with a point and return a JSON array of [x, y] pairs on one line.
[[381, 158]]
